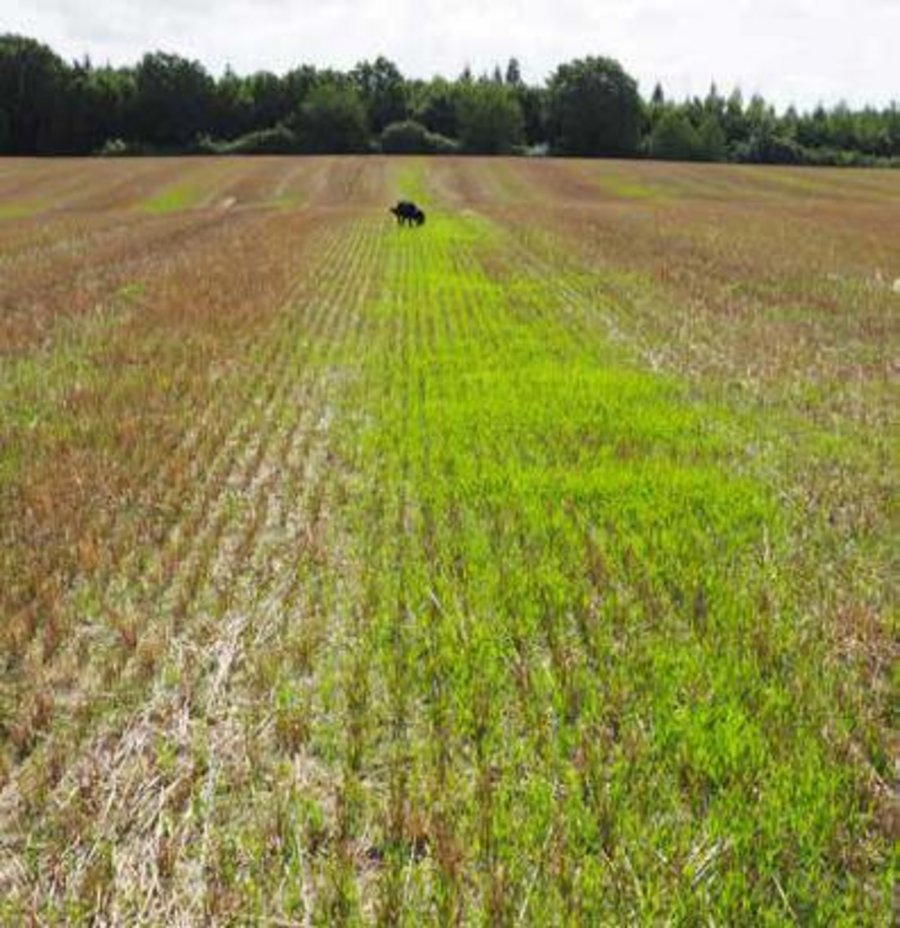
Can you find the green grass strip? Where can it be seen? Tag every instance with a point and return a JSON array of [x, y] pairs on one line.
[[589, 693]]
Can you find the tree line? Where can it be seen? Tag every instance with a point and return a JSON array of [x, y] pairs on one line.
[[589, 107]]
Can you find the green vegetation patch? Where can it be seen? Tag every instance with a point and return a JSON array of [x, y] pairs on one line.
[[409, 180], [18, 210], [582, 689], [630, 189], [40, 393], [286, 201], [174, 198]]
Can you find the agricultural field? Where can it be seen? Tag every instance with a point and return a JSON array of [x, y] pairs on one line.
[[533, 567]]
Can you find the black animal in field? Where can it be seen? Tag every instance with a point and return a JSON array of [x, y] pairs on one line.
[[408, 213]]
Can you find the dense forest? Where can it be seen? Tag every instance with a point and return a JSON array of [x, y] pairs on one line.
[[588, 107]]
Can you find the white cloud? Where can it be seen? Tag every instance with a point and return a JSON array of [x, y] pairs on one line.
[[798, 51]]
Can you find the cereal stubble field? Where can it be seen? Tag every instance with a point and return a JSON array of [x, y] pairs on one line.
[[531, 567]]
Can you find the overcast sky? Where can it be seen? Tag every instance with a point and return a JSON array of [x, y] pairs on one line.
[[801, 51]]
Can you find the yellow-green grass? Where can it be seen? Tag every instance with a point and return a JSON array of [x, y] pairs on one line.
[[176, 197], [599, 699], [629, 188], [498, 571], [17, 210]]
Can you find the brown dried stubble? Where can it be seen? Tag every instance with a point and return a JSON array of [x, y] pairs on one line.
[[208, 294], [274, 246], [64, 260], [66, 185], [759, 293], [350, 183], [467, 183], [595, 180], [84, 268], [267, 180], [562, 184], [41, 183], [58, 260]]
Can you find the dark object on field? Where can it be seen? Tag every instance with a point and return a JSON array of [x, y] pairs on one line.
[[407, 212]]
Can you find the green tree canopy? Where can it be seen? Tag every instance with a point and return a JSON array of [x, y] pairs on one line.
[[32, 96], [412, 138], [332, 119], [233, 106], [593, 109], [173, 99], [489, 117], [589, 107], [674, 138], [513, 75], [383, 92], [712, 142], [436, 107]]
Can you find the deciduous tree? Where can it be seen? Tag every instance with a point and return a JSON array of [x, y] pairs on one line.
[[489, 117], [593, 109]]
